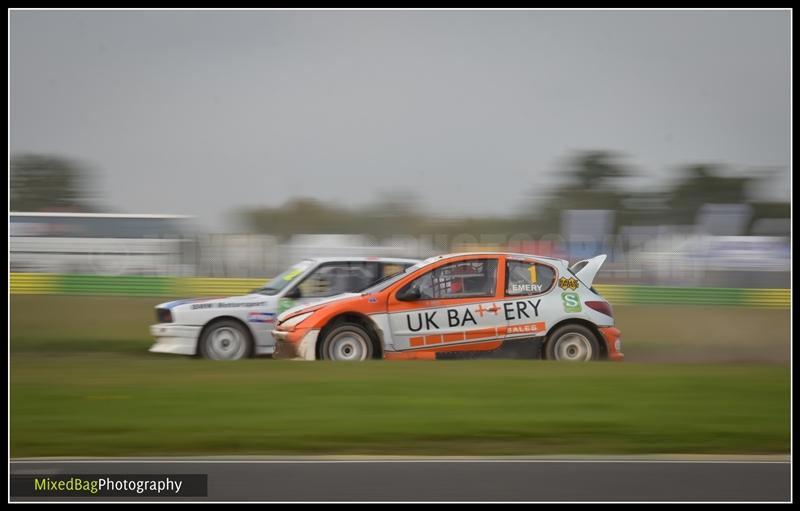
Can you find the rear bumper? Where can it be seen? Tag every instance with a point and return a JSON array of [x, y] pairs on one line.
[[175, 339], [613, 341]]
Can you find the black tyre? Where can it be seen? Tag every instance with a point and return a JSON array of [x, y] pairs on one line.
[[572, 343], [225, 340], [348, 342]]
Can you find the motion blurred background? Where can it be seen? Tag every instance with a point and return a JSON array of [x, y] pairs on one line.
[[162, 154], [661, 139]]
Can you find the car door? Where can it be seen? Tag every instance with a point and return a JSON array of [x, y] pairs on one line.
[[451, 305], [528, 296]]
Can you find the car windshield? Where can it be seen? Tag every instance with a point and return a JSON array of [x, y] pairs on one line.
[[274, 286], [391, 279]]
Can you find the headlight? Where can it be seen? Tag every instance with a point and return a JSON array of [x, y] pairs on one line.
[[164, 315], [296, 320]]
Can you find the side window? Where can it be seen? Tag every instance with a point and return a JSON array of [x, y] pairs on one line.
[[389, 269], [528, 278], [335, 278], [464, 279]]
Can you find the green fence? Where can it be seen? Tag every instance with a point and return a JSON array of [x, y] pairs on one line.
[[50, 283], [754, 297]]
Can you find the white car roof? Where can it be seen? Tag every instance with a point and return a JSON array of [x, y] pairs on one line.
[[362, 259]]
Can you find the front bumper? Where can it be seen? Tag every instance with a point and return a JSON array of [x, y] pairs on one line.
[[175, 339], [613, 343], [299, 344]]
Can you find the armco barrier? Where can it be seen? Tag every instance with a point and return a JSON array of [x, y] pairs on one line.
[[33, 283], [56, 284], [198, 286], [628, 294]]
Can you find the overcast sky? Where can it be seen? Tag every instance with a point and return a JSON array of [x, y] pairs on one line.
[[202, 112]]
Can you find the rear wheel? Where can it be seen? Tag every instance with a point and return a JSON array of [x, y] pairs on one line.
[[572, 343], [348, 342], [225, 340]]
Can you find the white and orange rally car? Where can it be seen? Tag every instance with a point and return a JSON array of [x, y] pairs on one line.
[[473, 305]]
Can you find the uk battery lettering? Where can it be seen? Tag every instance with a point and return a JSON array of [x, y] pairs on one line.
[[464, 316]]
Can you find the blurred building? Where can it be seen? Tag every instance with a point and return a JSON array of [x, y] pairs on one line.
[[715, 251], [90, 243]]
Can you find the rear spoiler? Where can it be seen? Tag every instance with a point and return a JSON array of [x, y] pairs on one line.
[[587, 269]]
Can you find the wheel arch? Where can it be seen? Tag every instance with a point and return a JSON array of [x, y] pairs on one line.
[[601, 341], [375, 334], [250, 336]]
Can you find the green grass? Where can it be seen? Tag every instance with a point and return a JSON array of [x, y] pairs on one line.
[[106, 404], [83, 384]]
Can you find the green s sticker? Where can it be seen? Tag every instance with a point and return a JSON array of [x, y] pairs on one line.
[[572, 302]]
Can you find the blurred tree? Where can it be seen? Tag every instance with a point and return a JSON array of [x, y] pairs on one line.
[[48, 183], [593, 180], [299, 216], [593, 169], [389, 215], [704, 184], [592, 184]]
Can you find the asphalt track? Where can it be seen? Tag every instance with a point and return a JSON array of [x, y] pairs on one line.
[[475, 480]]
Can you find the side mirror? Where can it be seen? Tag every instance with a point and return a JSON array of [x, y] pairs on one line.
[[294, 293], [409, 294]]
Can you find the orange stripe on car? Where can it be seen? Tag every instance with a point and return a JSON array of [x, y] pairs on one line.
[[413, 355], [459, 336], [483, 332], [474, 346], [430, 353], [433, 339], [526, 328]]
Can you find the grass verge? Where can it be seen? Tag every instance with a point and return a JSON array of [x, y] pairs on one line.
[[83, 384]]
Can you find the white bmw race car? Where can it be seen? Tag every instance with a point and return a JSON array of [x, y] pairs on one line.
[[240, 326]]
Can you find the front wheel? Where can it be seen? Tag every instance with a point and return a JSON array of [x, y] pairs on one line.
[[572, 343], [225, 340], [346, 342]]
